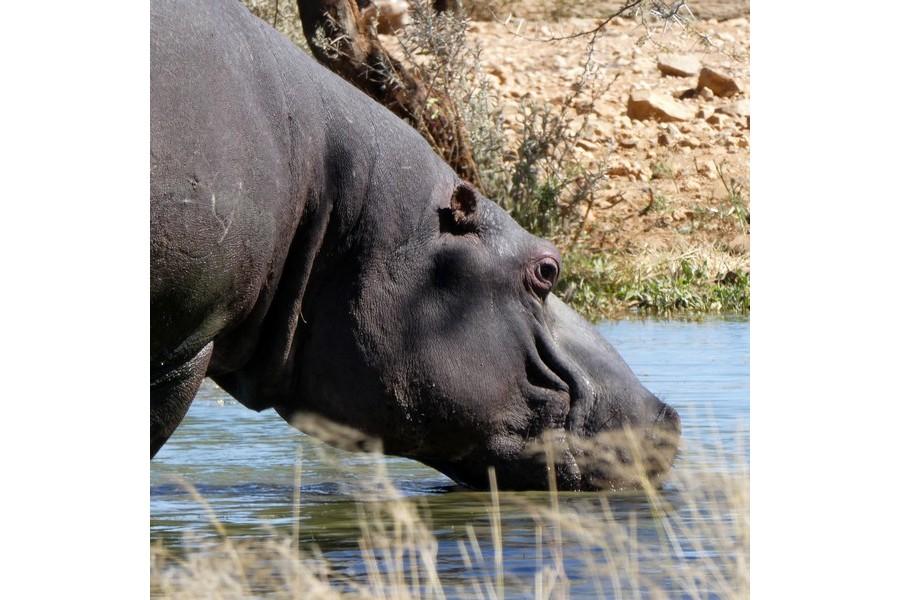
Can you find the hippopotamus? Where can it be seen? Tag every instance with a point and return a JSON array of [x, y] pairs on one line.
[[311, 254]]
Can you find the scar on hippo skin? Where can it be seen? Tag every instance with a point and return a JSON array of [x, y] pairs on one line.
[[459, 217]]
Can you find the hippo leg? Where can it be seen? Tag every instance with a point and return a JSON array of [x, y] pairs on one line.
[[171, 395]]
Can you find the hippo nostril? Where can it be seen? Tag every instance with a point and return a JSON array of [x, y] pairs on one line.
[[546, 272]]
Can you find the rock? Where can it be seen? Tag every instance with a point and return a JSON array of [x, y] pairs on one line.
[[623, 168], [714, 119], [739, 109], [739, 244], [706, 112], [707, 168], [689, 142], [678, 65], [718, 83], [626, 141], [669, 135], [497, 72], [603, 130], [644, 105], [706, 94]]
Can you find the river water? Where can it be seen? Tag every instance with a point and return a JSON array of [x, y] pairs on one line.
[[243, 464]]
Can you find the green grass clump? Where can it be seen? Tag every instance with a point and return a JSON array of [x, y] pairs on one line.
[[658, 283]]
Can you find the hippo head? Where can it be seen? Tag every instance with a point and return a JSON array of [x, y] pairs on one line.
[[457, 354]]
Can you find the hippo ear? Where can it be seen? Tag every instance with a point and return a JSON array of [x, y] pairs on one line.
[[460, 215], [464, 200]]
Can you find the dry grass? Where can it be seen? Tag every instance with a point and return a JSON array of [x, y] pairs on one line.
[[689, 540]]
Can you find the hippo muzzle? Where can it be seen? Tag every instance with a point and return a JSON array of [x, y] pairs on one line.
[[594, 426]]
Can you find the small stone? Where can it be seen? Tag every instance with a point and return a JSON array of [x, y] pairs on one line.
[[498, 73], [706, 94], [619, 169], [647, 105], [705, 112], [586, 145], [739, 109], [739, 244], [669, 135], [678, 65], [707, 168], [627, 141], [714, 119], [689, 142], [743, 143], [719, 83], [603, 130]]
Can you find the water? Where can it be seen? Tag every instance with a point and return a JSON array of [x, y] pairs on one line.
[[242, 462]]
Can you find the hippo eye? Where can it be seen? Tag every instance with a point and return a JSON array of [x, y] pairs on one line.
[[546, 272]]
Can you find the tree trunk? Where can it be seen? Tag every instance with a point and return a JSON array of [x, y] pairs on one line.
[[342, 37]]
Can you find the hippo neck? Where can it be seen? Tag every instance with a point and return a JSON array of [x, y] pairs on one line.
[[356, 199]]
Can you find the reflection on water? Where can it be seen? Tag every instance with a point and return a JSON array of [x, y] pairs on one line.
[[243, 462]]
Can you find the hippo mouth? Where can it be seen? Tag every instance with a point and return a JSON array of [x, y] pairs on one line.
[[590, 442], [625, 457]]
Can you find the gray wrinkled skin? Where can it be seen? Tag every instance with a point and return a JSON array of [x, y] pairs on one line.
[[310, 253]]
